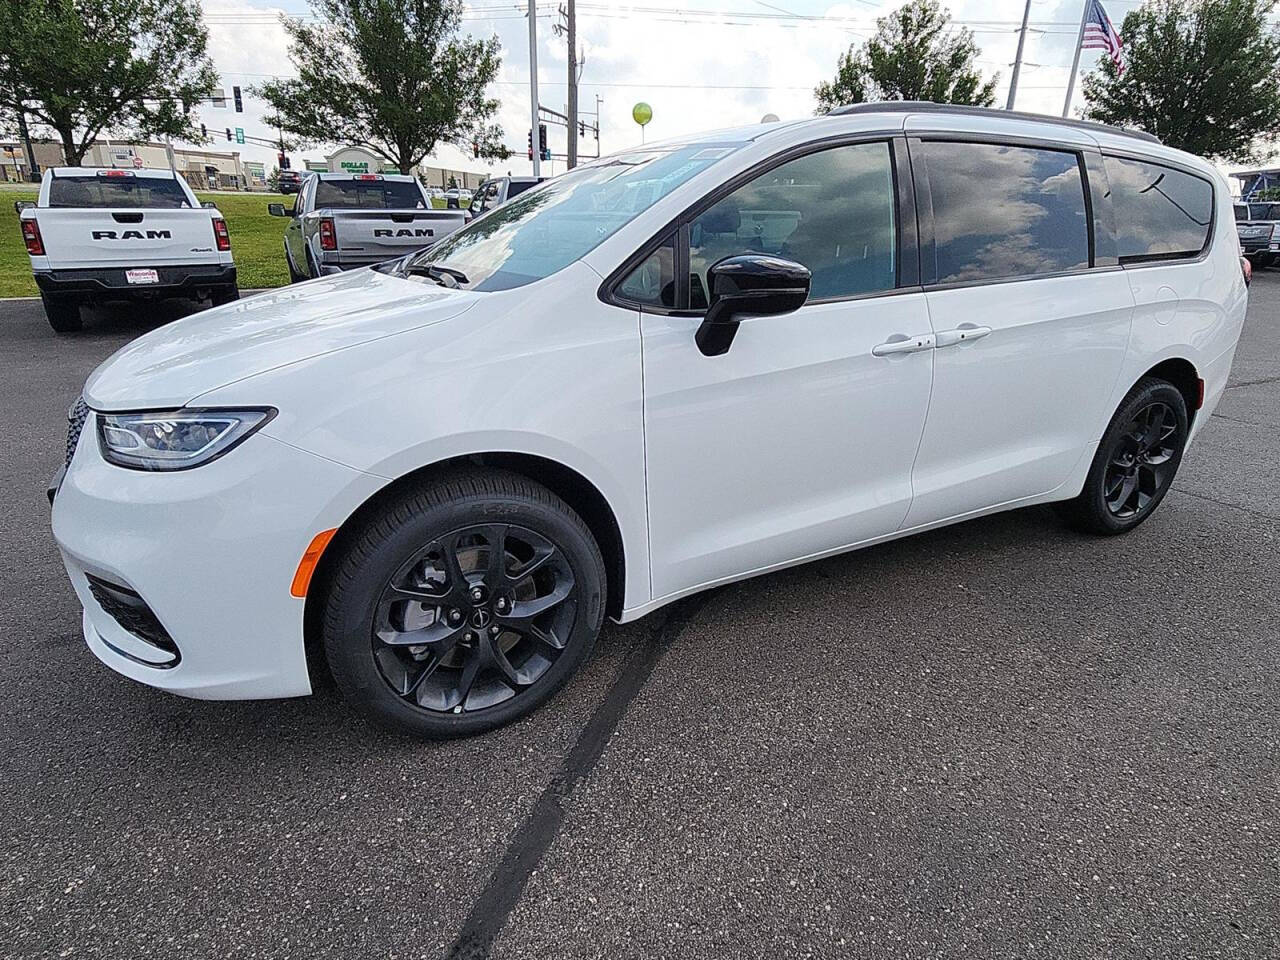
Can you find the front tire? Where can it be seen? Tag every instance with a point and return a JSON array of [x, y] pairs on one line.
[[463, 605], [1135, 463], [62, 312]]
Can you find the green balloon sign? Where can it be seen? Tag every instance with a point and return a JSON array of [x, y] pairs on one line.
[[642, 113]]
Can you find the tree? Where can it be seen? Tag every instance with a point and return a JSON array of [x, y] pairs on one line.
[[85, 67], [390, 75], [1202, 75], [915, 54]]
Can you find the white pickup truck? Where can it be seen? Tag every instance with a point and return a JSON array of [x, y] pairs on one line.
[[95, 235], [341, 221]]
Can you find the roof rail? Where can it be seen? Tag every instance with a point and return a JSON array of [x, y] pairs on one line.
[[925, 106]]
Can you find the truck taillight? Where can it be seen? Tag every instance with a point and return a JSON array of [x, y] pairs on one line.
[[31, 234], [328, 238], [220, 234]]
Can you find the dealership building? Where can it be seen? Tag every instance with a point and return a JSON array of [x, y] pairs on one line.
[[203, 169], [361, 160]]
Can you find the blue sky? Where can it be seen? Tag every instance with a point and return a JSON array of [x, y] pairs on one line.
[[699, 64]]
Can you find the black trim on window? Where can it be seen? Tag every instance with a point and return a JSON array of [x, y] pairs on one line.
[[1102, 237], [607, 291], [908, 229], [928, 253]]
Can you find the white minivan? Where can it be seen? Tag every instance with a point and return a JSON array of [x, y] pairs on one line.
[[668, 369]]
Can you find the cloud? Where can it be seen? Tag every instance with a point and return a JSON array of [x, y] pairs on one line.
[[700, 65]]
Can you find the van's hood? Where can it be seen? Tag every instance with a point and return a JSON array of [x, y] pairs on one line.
[[171, 366]]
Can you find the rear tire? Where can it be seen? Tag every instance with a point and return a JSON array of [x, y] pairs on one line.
[[294, 275], [1135, 463], [430, 630], [63, 312]]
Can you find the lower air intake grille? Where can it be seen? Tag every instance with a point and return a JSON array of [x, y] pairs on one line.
[[129, 610], [76, 417]]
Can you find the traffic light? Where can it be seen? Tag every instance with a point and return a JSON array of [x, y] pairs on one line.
[[475, 148], [283, 160], [530, 144], [228, 133], [542, 142], [582, 129], [235, 94], [204, 134]]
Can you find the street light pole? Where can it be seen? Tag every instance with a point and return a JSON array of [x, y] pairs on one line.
[[534, 145]]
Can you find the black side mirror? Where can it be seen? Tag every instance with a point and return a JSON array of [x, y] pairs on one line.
[[753, 285], [20, 205], [278, 210]]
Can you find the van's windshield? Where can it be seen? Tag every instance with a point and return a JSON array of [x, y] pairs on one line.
[[547, 228]]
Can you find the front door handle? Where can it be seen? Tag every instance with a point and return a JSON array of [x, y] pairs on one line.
[[900, 343], [962, 334]]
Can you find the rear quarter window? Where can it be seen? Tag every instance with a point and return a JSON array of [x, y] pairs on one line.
[[1160, 213]]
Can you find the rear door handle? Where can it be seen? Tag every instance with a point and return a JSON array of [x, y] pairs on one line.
[[903, 344], [962, 334]]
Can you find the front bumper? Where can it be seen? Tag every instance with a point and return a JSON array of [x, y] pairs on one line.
[[210, 553], [110, 283]]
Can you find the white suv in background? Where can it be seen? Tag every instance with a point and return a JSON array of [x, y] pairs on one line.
[[665, 370]]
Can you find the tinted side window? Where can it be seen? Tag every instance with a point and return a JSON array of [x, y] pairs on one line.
[[1002, 211], [832, 211], [653, 282], [1161, 213]]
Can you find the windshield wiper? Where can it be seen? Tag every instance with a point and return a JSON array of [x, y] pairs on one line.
[[445, 276]]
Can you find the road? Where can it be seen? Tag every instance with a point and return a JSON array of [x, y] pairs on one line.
[[1001, 739]]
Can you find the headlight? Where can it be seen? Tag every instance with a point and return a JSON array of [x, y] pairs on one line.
[[175, 439]]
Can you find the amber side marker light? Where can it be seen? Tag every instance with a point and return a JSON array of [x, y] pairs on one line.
[[311, 557]]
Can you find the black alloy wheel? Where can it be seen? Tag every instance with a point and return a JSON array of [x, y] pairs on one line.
[[1135, 462], [475, 618], [1141, 464], [458, 606]]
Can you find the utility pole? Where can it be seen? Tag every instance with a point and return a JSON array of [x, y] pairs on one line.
[[533, 88], [572, 30], [1017, 60]]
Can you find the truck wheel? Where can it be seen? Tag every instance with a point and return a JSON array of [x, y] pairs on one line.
[[220, 295], [63, 313]]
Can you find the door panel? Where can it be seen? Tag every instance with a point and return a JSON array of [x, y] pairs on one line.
[[1013, 411], [796, 441], [1030, 338]]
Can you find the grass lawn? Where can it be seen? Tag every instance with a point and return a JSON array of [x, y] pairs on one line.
[[257, 241]]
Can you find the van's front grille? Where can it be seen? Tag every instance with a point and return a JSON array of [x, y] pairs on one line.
[[76, 416]]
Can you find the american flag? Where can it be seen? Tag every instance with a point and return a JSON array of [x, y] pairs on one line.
[[1099, 34]]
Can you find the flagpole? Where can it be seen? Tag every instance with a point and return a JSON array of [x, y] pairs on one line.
[[1075, 62]]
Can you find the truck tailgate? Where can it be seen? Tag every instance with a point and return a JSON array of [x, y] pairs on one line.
[[87, 237], [390, 233]]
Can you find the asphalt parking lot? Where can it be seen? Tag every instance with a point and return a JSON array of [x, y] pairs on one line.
[[1001, 739]]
